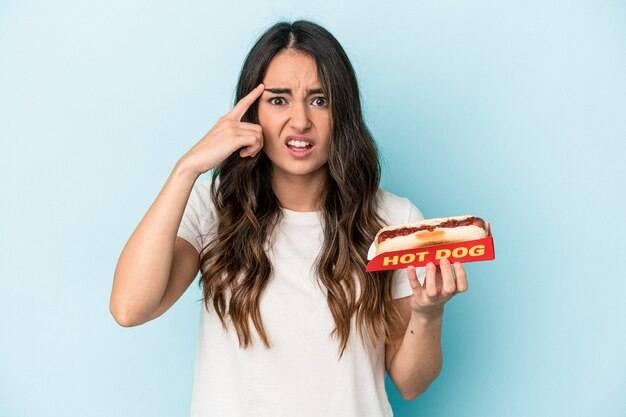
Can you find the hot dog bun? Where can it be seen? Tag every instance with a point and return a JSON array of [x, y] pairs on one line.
[[434, 232]]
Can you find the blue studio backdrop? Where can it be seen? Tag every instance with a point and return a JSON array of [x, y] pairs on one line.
[[511, 110]]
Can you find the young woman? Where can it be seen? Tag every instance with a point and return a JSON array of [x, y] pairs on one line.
[[291, 323]]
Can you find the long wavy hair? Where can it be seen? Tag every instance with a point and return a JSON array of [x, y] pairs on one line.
[[235, 264]]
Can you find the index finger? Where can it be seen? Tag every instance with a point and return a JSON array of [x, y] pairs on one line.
[[461, 277], [244, 104]]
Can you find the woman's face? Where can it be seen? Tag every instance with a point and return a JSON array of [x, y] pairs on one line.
[[295, 116]]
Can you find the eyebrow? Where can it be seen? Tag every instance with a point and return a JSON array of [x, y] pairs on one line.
[[288, 91]]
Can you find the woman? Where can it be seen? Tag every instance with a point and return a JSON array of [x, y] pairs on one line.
[[292, 324]]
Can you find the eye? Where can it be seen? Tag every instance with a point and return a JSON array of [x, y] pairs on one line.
[[321, 101], [273, 102]]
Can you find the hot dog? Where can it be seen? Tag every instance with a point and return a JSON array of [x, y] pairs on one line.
[[430, 232]]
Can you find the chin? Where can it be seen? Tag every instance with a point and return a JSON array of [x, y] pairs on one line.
[[300, 169]]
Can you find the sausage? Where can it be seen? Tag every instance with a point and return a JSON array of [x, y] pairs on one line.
[[430, 232]]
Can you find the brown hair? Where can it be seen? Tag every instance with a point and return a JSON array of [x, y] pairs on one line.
[[234, 261]]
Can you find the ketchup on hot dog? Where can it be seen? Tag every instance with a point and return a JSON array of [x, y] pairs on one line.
[[388, 234]]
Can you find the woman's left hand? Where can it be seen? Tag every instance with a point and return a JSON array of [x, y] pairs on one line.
[[439, 286]]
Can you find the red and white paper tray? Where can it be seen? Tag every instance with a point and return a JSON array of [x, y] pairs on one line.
[[468, 251]]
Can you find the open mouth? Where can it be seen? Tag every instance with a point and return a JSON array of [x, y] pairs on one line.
[[299, 145]]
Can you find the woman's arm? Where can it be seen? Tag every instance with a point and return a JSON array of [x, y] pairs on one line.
[[414, 358], [146, 267], [155, 268]]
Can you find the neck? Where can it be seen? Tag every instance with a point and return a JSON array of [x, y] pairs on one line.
[[298, 192]]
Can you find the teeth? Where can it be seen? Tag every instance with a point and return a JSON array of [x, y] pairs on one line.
[[298, 143]]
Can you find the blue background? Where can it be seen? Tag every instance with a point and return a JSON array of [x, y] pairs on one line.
[[512, 110]]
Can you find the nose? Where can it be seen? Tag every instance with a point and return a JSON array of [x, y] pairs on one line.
[[299, 117]]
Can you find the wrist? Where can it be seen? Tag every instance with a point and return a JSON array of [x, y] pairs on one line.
[[431, 316], [182, 170]]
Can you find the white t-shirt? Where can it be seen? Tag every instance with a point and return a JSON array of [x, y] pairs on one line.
[[300, 375]]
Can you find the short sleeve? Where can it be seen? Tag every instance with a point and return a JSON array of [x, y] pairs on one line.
[[401, 286], [197, 217]]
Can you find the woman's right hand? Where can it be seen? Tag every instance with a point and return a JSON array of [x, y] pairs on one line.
[[227, 135]]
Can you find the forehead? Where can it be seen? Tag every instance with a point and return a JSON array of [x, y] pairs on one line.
[[291, 69]]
